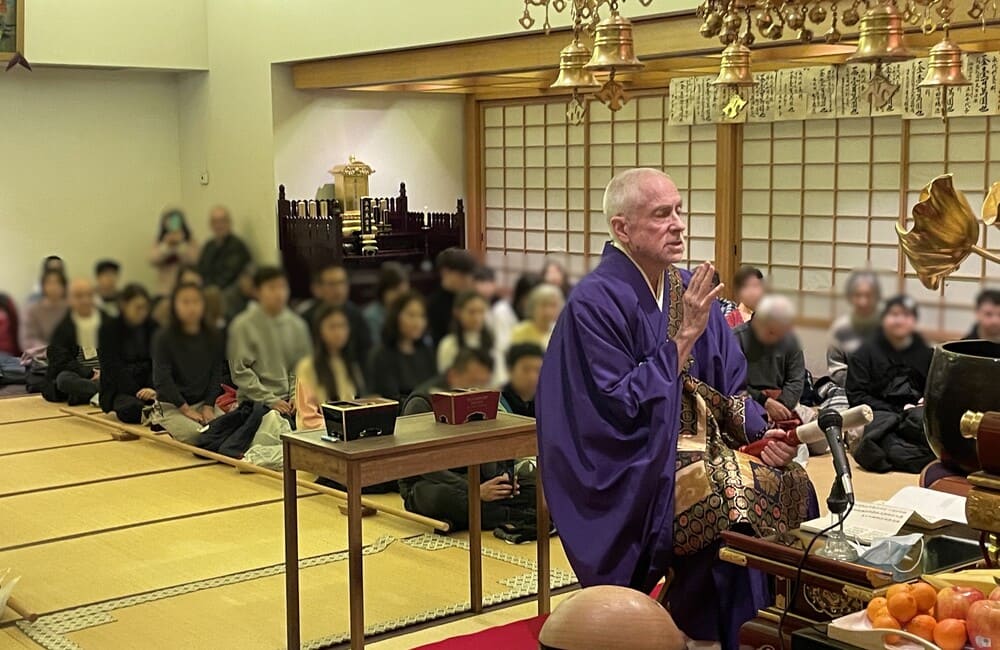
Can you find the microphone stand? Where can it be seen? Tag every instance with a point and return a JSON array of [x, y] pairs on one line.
[[837, 547]]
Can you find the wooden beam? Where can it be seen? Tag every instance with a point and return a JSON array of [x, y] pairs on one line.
[[728, 201], [475, 232]]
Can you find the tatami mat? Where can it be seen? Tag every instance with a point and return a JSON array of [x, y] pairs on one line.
[[101, 506], [49, 434], [73, 465]]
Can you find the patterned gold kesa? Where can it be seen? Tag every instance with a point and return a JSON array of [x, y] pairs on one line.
[[944, 232]]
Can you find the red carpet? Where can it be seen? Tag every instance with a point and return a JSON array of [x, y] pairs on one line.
[[519, 635]]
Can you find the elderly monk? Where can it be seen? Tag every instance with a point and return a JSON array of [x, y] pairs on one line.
[[640, 407]]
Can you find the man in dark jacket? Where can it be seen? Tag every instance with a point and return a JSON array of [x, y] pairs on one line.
[[445, 495], [74, 370], [331, 286], [455, 267], [987, 317], [524, 364], [224, 256], [889, 373]]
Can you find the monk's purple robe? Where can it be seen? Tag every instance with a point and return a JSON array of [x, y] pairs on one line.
[[608, 411]]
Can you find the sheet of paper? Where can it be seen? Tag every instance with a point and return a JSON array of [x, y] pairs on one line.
[[867, 521], [930, 505]]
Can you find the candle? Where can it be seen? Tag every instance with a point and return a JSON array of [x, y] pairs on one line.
[[427, 220]]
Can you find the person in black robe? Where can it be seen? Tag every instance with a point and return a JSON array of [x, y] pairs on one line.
[[524, 364], [889, 374], [331, 286], [987, 325], [126, 357], [225, 255], [404, 361]]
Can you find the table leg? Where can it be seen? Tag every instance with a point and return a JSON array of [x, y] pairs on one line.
[[542, 524], [291, 552], [356, 562], [475, 541]]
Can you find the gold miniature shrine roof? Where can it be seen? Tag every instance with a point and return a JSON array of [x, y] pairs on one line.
[[354, 167]]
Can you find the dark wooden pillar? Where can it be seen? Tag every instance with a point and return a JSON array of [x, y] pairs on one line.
[[475, 227], [728, 201]]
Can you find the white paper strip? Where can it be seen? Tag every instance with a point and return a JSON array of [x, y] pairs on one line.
[[681, 101], [761, 108], [821, 90], [852, 84], [791, 100]]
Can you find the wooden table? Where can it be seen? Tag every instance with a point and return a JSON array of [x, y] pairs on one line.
[[420, 445]]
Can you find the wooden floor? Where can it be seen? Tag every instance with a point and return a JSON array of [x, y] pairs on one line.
[[134, 544]]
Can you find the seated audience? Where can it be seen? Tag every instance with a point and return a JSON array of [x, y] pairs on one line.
[[555, 274], [125, 352], [106, 274], [50, 263], [44, 315], [445, 495], [987, 325], [851, 330], [501, 317], [331, 287], [224, 256], [174, 246], [889, 372], [11, 369], [188, 274], [455, 267], [404, 360], [542, 311], [522, 289], [266, 342], [74, 373], [748, 289], [188, 366], [393, 281], [524, 363], [331, 373], [776, 366], [468, 330], [236, 298]]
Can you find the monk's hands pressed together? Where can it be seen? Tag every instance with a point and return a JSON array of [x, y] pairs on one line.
[[777, 453], [699, 301]]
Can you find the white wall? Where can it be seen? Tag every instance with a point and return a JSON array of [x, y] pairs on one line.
[[136, 33], [411, 138], [91, 160]]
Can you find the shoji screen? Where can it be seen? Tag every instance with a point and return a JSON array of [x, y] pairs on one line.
[[821, 198], [544, 179]]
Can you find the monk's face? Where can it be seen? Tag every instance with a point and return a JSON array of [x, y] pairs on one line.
[[654, 232]]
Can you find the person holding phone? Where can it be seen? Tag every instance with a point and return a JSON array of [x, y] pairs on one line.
[[175, 245]]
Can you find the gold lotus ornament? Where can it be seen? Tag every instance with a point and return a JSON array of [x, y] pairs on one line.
[[991, 206], [944, 232]]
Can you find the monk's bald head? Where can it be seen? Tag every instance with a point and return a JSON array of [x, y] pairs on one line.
[[81, 297], [644, 210]]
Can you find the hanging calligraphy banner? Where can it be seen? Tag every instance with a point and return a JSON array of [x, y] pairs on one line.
[[981, 97], [761, 108], [852, 91], [681, 99], [791, 99], [706, 101], [916, 100], [821, 91]]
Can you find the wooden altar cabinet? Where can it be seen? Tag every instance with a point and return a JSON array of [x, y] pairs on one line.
[[828, 588], [313, 233]]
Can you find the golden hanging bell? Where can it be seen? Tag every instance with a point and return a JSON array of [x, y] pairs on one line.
[[735, 68], [572, 73], [880, 38], [944, 66], [614, 48]]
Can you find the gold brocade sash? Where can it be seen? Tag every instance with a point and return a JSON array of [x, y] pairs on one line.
[[717, 487]]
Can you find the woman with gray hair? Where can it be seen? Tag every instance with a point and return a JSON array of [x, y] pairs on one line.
[[542, 309], [850, 330]]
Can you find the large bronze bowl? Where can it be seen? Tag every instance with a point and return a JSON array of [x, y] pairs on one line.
[[964, 376]]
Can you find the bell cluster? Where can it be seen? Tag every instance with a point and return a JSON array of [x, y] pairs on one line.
[[735, 21]]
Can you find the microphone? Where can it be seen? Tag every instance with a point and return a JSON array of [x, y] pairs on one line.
[[811, 432], [830, 421]]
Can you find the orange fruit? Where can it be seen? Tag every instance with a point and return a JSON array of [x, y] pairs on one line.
[[887, 623], [925, 596], [923, 626], [874, 606], [902, 606], [903, 588], [950, 634]]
